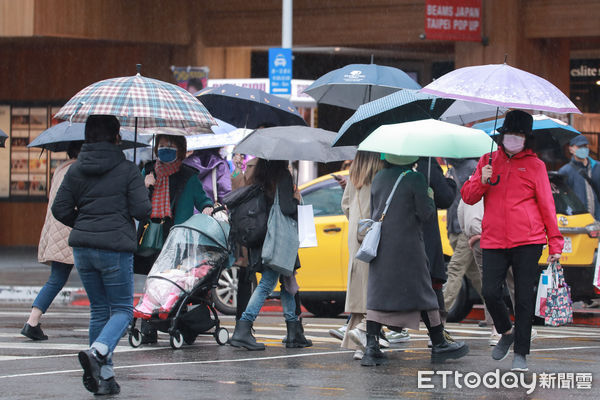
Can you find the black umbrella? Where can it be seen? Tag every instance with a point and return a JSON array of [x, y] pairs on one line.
[[248, 108]]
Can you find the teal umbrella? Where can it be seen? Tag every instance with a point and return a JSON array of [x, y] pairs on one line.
[[428, 138]]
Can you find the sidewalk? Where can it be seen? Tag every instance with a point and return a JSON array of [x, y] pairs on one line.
[[22, 277]]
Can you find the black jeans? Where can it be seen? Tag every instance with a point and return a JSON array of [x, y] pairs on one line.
[[524, 261]]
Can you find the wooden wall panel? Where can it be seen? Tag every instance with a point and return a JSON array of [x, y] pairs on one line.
[[145, 21], [56, 69], [316, 22], [16, 18], [560, 18], [21, 223]]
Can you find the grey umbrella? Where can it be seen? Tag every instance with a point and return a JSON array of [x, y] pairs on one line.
[[294, 143], [58, 137], [3, 137]]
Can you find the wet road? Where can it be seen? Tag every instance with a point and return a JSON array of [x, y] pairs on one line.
[[49, 370]]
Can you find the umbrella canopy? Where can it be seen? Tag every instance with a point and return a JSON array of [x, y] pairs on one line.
[[400, 106], [542, 125], [139, 102], [428, 138], [199, 142], [249, 108], [222, 127], [503, 86], [294, 143], [405, 106], [58, 137], [3, 137], [356, 84]]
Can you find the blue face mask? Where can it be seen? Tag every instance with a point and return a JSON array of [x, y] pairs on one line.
[[167, 154], [582, 152]]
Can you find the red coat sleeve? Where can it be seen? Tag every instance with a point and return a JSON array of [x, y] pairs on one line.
[[473, 190], [545, 201]]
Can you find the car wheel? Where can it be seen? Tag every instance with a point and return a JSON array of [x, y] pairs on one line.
[[324, 308], [225, 294], [462, 305]]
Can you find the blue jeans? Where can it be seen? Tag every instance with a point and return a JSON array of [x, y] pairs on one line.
[[107, 277], [59, 274], [267, 283]]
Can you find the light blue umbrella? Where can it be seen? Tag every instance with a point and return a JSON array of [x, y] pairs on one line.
[[356, 84], [542, 125], [58, 137], [3, 137]]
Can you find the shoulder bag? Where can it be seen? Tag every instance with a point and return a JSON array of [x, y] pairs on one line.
[[219, 215], [370, 243], [280, 248]]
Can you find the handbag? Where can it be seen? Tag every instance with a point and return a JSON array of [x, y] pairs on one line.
[[280, 248], [368, 248], [542, 292], [559, 307], [152, 239], [219, 215]]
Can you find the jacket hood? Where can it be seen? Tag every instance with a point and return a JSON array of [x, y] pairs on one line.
[[204, 162], [98, 158]]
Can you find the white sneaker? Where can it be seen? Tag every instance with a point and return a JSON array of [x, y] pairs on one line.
[[398, 337], [358, 354], [383, 343], [534, 334], [494, 338], [359, 338], [338, 333]]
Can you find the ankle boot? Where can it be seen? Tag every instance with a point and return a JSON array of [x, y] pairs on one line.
[[373, 355], [295, 335], [442, 348], [242, 336]]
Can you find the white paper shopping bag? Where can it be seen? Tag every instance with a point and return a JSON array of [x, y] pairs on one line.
[[542, 292], [597, 273], [307, 232]]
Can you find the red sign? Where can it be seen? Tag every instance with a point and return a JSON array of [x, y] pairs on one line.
[[453, 20]]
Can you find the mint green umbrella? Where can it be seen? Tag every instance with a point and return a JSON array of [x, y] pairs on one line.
[[428, 138]]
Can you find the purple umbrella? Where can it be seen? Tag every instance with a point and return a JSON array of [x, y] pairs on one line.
[[503, 86]]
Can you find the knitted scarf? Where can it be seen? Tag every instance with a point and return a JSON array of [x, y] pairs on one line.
[[161, 201]]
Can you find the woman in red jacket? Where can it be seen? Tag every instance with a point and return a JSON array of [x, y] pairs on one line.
[[519, 219]]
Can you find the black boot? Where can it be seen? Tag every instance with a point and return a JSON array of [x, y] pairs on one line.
[[373, 355], [242, 336], [295, 335], [443, 349]]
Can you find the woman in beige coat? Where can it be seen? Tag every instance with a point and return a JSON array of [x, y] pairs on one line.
[[356, 204], [54, 249]]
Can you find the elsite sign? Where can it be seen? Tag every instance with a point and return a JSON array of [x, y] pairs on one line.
[[458, 20]]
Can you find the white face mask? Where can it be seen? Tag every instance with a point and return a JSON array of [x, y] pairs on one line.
[[513, 143]]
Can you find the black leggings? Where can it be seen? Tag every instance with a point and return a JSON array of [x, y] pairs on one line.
[[524, 261]]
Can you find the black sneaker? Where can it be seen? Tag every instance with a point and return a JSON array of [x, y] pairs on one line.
[[91, 362], [108, 386], [33, 332], [503, 346]]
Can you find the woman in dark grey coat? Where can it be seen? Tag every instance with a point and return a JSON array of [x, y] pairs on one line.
[[399, 290]]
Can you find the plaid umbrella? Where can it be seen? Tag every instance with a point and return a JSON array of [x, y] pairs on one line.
[[139, 101]]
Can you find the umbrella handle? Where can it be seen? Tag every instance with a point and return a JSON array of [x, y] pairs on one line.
[[489, 181]]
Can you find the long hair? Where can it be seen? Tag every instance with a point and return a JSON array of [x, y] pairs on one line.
[[364, 167], [268, 173]]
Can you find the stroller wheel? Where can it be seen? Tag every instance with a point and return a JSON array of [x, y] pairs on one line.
[[176, 340], [135, 338], [221, 336]]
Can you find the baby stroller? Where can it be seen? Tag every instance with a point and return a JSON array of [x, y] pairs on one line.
[[177, 292]]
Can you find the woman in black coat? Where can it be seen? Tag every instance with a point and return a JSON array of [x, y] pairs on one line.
[[399, 290], [272, 176]]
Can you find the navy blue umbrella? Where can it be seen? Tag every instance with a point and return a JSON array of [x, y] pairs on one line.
[[356, 84], [3, 137], [248, 108], [401, 106], [58, 137]]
